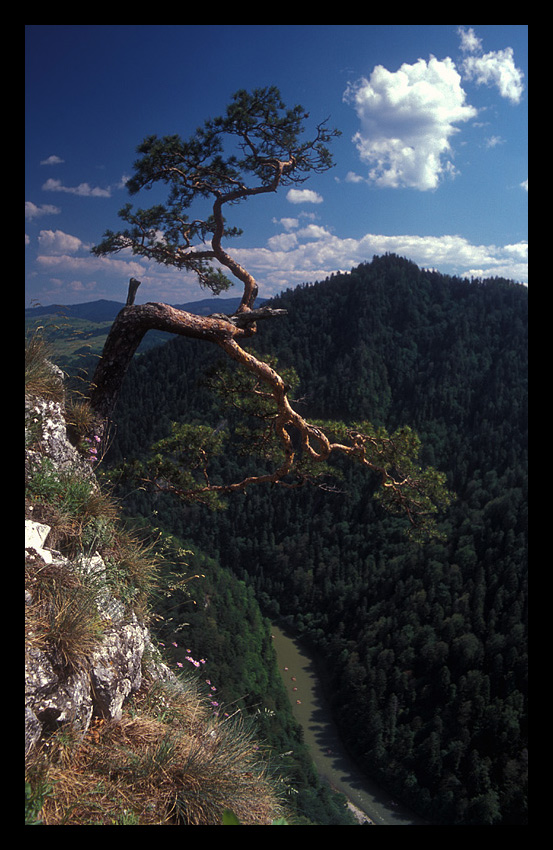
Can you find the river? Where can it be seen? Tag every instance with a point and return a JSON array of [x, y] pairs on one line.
[[333, 763]]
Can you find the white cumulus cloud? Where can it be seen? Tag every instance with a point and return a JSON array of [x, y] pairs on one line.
[[58, 242], [303, 196], [496, 68], [52, 160], [288, 223], [34, 211], [407, 118], [469, 40], [313, 231], [83, 189], [352, 177], [282, 241]]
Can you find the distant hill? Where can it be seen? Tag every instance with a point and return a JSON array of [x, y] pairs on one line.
[[93, 311], [77, 332], [106, 311]]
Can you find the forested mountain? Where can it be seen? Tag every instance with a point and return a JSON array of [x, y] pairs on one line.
[[426, 645]]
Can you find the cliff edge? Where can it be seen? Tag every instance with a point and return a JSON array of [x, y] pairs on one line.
[[112, 736]]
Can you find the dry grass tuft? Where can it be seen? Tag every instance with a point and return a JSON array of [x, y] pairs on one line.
[[40, 378], [169, 762], [62, 618], [79, 416]]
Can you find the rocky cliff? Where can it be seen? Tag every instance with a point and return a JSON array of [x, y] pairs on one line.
[[112, 736], [66, 690]]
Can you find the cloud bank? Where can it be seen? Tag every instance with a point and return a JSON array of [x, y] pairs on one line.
[[314, 252], [300, 254]]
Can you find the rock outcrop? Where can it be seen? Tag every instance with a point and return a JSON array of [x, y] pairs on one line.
[[112, 736], [55, 693]]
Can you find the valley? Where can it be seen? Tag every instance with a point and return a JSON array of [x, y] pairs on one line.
[[425, 645]]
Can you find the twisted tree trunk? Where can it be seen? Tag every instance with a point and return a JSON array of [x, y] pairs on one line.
[[132, 323], [392, 458]]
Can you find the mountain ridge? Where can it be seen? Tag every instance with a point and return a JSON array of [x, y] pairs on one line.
[[104, 310]]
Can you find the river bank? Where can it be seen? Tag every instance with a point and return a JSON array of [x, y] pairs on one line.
[[333, 763]]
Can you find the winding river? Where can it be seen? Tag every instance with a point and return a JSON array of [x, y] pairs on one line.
[[321, 736]]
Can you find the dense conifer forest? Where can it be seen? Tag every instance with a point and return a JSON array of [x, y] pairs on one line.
[[426, 645]]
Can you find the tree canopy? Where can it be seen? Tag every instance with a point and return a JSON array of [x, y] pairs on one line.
[[256, 147], [253, 149]]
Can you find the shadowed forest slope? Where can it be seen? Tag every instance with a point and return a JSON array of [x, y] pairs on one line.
[[426, 646]]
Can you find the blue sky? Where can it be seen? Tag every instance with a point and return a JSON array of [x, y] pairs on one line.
[[431, 163]]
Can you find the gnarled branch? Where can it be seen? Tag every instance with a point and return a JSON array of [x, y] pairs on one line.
[[127, 332]]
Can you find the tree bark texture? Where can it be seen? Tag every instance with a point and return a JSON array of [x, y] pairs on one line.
[[126, 334], [378, 453]]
